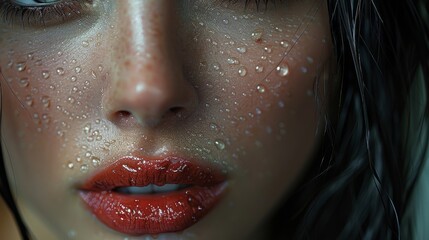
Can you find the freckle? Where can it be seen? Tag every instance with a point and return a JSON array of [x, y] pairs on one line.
[[257, 35]]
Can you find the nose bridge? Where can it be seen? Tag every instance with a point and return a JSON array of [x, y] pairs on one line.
[[147, 24], [148, 78]]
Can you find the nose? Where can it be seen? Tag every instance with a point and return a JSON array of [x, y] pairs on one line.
[[147, 84]]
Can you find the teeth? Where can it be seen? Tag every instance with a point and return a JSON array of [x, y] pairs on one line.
[[151, 188]]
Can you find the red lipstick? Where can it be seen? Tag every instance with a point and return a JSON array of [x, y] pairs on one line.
[[106, 195]]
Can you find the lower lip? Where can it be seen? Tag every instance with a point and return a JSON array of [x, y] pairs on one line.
[[140, 214], [152, 214]]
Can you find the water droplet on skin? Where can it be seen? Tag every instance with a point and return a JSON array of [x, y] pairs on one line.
[[94, 75], [225, 21], [281, 104], [85, 43], [267, 50], [219, 144], [73, 78], [84, 168], [242, 49], [214, 127], [260, 88], [259, 68], [232, 61], [282, 70], [258, 111], [29, 101], [60, 133], [60, 71], [216, 66], [310, 60], [45, 118], [23, 82], [100, 68], [70, 165], [78, 69], [88, 154], [46, 74], [71, 100], [21, 66], [30, 56], [242, 71], [46, 101], [10, 64], [257, 35], [95, 161], [284, 44], [304, 70]]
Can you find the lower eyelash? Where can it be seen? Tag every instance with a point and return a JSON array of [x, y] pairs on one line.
[[41, 16]]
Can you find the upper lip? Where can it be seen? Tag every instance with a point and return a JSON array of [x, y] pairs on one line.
[[141, 171]]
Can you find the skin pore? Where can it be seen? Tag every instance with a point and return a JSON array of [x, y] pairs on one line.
[[207, 80]]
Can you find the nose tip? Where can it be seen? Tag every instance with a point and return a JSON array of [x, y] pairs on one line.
[[150, 104]]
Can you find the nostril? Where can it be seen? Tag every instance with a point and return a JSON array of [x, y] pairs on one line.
[[122, 118], [174, 111], [123, 114]]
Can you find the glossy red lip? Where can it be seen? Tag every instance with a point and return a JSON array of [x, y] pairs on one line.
[[139, 214]]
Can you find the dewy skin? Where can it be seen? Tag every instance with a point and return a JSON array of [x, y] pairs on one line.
[[213, 83]]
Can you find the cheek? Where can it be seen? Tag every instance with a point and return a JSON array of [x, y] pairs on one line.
[[255, 77], [48, 94]]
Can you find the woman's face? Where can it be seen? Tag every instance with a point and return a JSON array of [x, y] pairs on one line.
[[99, 96]]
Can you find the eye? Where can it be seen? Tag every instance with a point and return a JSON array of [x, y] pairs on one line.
[[34, 3], [42, 13]]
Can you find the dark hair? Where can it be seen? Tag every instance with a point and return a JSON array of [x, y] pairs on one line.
[[363, 174], [372, 150]]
